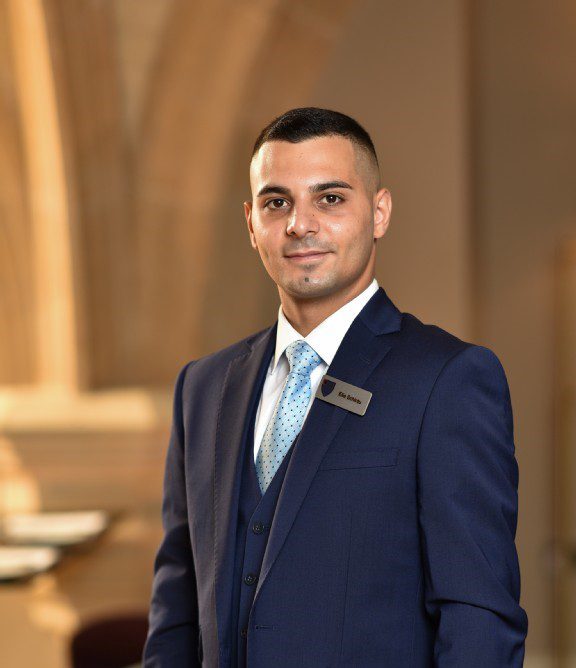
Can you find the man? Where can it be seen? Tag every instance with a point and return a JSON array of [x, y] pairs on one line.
[[341, 487]]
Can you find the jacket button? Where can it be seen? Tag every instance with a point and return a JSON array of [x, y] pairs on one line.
[[257, 527], [250, 579], [244, 633]]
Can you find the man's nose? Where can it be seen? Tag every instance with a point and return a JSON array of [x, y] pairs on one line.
[[302, 220]]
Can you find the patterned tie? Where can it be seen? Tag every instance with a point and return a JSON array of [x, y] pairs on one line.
[[288, 416]]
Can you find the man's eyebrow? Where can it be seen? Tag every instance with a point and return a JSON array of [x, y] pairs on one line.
[[316, 188], [272, 189], [320, 187]]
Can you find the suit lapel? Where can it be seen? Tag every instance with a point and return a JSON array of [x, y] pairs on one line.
[[367, 341], [244, 376]]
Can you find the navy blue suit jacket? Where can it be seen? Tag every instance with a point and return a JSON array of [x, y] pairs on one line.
[[393, 538]]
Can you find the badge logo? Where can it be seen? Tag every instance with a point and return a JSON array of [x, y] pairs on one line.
[[327, 387]]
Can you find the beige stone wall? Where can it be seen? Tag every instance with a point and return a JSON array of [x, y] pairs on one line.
[[125, 129], [564, 454], [525, 97]]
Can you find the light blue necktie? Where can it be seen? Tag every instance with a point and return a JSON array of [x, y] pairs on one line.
[[288, 416]]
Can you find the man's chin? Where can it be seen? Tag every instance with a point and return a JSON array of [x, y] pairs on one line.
[[309, 287]]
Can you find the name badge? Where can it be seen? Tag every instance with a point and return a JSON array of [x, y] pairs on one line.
[[343, 394]]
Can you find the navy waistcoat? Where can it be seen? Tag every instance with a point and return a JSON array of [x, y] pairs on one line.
[[255, 515]]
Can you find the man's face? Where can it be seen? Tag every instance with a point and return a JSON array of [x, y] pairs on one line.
[[317, 196]]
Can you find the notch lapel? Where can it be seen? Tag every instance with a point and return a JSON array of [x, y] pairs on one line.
[[367, 341]]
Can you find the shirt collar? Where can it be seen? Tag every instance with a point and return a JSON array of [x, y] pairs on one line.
[[326, 337]]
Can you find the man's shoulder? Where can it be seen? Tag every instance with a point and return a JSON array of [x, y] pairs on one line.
[[443, 348], [431, 338], [219, 359]]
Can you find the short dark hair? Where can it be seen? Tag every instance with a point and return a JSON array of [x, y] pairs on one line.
[[304, 123]]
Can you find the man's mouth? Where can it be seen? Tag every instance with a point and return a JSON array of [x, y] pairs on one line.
[[307, 256]]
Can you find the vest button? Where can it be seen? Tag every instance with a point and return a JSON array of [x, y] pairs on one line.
[[250, 579], [244, 633], [257, 527]]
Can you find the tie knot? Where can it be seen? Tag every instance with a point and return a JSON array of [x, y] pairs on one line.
[[302, 357]]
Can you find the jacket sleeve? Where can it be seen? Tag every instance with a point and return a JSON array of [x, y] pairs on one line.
[[468, 510], [172, 640]]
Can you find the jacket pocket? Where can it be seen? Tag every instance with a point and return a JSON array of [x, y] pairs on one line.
[[360, 459]]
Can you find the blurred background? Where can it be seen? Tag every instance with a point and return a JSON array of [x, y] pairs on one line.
[[125, 134]]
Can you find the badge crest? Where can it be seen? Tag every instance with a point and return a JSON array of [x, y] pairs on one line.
[[327, 386]]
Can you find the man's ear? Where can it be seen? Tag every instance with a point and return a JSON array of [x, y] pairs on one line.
[[382, 212], [248, 216]]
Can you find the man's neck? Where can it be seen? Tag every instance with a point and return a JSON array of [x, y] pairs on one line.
[[306, 314]]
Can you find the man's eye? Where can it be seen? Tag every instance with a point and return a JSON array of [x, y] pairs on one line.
[[332, 198], [276, 203]]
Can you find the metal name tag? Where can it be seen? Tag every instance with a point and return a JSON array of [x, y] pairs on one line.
[[343, 394]]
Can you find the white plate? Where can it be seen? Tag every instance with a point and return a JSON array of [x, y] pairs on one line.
[[17, 562], [56, 528]]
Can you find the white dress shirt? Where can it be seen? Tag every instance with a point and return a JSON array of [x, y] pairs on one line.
[[325, 339]]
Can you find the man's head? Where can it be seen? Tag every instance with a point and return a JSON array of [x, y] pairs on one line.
[[316, 187]]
